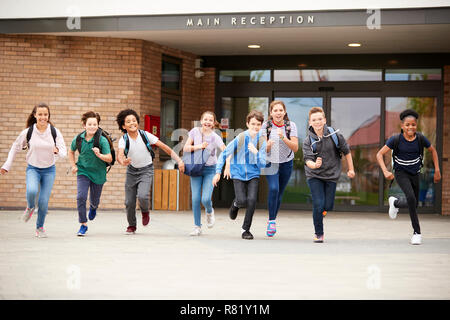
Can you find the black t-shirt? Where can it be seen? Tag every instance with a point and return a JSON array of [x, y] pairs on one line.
[[408, 155]]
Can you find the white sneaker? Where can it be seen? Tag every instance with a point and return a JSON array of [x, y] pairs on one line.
[[416, 239], [392, 209], [40, 233], [210, 219], [196, 232]]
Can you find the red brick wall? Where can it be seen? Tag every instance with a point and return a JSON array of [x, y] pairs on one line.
[[74, 75], [445, 164]]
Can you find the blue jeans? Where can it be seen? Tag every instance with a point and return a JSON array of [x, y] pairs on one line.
[[322, 193], [202, 189], [39, 180], [277, 183], [84, 184]]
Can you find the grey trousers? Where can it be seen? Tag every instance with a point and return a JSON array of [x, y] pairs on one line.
[[137, 185]]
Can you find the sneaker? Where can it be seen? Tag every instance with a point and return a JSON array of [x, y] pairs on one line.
[[233, 211], [271, 228], [27, 214], [92, 213], [392, 209], [318, 239], [82, 231], [210, 219], [131, 230], [40, 233], [416, 238], [247, 235], [145, 218], [196, 232], [324, 213]]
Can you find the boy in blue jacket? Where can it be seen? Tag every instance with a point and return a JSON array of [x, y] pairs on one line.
[[248, 157]]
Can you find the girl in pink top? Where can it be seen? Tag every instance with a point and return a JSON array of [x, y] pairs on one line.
[[45, 145]]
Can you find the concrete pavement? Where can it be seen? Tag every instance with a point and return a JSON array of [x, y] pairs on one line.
[[365, 256]]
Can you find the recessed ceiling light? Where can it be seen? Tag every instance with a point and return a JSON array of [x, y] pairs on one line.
[[302, 65], [354, 44], [254, 46]]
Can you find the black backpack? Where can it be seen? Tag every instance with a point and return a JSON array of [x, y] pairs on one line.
[[100, 132], [144, 138], [420, 140], [30, 132]]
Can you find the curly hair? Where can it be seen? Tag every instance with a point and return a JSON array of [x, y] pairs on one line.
[[120, 118]]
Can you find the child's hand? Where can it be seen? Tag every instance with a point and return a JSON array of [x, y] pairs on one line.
[[55, 150], [252, 148], [280, 133], [126, 162], [227, 172], [204, 145], [318, 162], [269, 144], [437, 176], [96, 151], [74, 169], [388, 175], [3, 171], [351, 174], [216, 179], [181, 166]]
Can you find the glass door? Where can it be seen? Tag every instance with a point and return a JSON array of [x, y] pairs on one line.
[[297, 107]]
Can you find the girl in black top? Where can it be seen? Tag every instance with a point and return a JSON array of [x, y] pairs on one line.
[[407, 164]]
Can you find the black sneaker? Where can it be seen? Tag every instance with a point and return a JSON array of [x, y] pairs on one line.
[[233, 211], [247, 235]]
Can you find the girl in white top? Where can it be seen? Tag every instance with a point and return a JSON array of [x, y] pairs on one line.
[[45, 146]]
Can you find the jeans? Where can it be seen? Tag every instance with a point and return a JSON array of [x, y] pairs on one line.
[[202, 189], [137, 185], [277, 183], [322, 193], [410, 186], [246, 195], [40, 180], [84, 184]]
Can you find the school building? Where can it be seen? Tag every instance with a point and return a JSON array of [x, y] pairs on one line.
[[362, 64]]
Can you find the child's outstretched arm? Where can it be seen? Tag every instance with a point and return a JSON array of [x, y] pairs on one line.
[[437, 171], [172, 154], [351, 169], [380, 159]]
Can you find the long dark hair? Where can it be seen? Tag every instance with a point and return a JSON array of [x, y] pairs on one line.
[[273, 104], [32, 116]]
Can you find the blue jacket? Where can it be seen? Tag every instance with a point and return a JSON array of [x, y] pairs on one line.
[[244, 164]]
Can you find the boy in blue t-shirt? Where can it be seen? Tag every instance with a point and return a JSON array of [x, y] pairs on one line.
[[407, 158]]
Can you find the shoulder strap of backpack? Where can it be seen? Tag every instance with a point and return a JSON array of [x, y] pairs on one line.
[[79, 141], [334, 137], [395, 145], [97, 136], [127, 144], [145, 139], [240, 142], [287, 125], [53, 131], [268, 128]]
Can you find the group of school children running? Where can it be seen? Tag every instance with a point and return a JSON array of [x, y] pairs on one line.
[[265, 148]]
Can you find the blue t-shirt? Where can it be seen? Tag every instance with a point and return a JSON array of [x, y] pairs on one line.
[[408, 155]]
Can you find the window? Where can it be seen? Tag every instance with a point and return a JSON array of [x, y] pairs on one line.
[[170, 100], [304, 75], [412, 74], [244, 76]]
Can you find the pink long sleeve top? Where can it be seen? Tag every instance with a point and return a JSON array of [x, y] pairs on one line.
[[40, 153]]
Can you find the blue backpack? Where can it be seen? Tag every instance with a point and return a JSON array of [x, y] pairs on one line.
[[335, 140]]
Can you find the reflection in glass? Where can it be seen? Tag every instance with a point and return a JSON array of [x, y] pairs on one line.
[[358, 120], [235, 110], [426, 108], [327, 75], [297, 190], [169, 120], [412, 74], [244, 76], [170, 77]]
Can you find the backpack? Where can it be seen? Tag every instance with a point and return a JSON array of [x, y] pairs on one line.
[[287, 124], [335, 140], [420, 140], [100, 132], [144, 138], [30, 132]]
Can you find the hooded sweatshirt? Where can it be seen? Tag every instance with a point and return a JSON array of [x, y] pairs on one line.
[[244, 164], [326, 149]]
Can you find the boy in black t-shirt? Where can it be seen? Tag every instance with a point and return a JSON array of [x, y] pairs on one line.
[[407, 158]]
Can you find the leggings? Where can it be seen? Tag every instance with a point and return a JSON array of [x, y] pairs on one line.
[[409, 184]]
